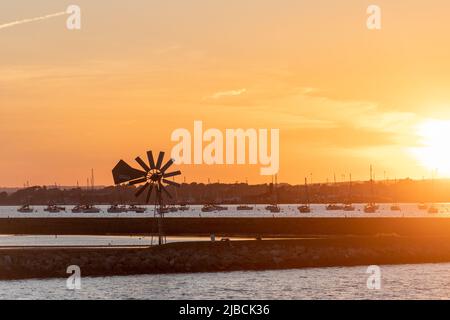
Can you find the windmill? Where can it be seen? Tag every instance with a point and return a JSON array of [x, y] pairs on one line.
[[152, 176]]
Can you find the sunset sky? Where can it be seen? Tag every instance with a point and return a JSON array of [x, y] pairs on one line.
[[343, 97]]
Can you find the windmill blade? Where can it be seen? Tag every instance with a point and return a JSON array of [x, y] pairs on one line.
[[141, 189], [172, 183], [171, 174], [167, 165], [123, 172], [151, 160], [149, 194], [160, 160], [132, 183], [165, 190], [142, 164]]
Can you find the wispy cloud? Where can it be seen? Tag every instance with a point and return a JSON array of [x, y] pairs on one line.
[[230, 93], [18, 22]]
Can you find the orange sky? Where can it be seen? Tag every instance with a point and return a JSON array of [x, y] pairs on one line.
[[342, 96]]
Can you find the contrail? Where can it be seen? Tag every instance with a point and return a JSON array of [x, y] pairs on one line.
[[15, 23]]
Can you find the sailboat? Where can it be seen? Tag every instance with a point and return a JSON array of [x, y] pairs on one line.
[[395, 206], [26, 208], [273, 207], [432, 209], [305, 208], [371, 207], [348, 205], [422, 205], [334, 206]]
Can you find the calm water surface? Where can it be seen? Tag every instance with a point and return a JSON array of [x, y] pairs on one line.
[[318, 210], [426, 281]]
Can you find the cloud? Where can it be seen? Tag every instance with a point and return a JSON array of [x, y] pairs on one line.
[[231, 93], [18, 22]]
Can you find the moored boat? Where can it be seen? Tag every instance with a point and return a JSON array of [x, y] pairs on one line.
[[244, 208], [349, 207], [136, 209], [305, 208], [334, 207], [90, 209], [208, 208], [117, 209], [183, 207], [163, 210], [422, 206], [25, 209], [433, 210], [370, 208], [274, 208], [54, 208]]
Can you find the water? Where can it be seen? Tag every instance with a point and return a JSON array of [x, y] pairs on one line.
[[318, 210], [425, 281], [83, 241]]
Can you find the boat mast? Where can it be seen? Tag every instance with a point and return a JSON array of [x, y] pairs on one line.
[[306, 191], [371, 185]]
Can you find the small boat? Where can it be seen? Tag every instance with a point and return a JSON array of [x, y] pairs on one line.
[[370, 208], [244, 208], [90, 209], [25, 209], [220, 208], [395, 206], [77, 209], [433, 210], [54, 209], [334, 207], [305, 208], [163, 210], [348, 204], [422, 206], [273, 208], [136, 209], [117, 209], [349, 207], [183, 207], [208, 208]]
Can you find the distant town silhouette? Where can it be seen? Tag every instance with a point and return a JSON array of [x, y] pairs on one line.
[[405, 190]]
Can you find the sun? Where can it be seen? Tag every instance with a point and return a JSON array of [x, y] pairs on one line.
[[434, 152]]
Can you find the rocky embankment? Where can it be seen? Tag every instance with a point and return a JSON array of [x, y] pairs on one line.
[[222, 256]]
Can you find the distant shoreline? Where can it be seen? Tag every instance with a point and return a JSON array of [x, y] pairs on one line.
[[405, 191]]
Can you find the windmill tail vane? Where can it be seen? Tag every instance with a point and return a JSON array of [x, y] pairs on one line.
[[151, 176]]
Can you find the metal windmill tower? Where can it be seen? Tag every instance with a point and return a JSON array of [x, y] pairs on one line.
[[152, 177]]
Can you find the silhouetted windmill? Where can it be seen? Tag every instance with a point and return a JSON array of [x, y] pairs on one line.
[[152, 177]]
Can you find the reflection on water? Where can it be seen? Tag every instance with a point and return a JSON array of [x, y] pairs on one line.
[[426, 281]]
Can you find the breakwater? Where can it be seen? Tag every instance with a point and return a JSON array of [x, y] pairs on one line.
[[237, 227], [223, 256]]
